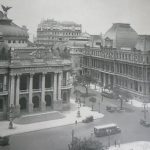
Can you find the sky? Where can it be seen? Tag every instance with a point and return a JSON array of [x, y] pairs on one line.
[[96, 16]]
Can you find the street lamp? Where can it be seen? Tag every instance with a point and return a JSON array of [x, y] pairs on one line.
[[78, 112], [102, 94], [145, 111], [11, 117], [108, 133], [99, 105]]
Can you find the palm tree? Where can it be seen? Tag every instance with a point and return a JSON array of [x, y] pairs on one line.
[[92, 100]]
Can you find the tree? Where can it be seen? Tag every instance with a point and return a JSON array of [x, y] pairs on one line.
[[121, 95], [84, 80], [84, 95], [92, 100], [75, 84], [95, 82], [85, 144]]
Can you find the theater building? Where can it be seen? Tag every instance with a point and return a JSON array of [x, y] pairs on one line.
[[32, 79], [123, 60]]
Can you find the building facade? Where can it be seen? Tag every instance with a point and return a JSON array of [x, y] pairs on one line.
[[50, 32], [31, 78], [76, 46], [123, 60]]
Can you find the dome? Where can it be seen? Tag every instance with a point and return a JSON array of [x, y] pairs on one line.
[[121, 35], [13, 31], [9, 30]]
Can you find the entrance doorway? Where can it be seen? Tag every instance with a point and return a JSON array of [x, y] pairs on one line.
[[23, 103], [36, 102], [48, 100], [65, 97]]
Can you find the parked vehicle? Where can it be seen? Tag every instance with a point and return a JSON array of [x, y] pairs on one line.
[[88, 119], [4, 141], [144, 123], [105, 130], [111, 108], [108, 94]]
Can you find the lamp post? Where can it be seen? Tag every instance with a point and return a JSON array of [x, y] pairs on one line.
[[108, 133], [78, 112], [102, 94], [145, 111], [11, 117], [99, 105]]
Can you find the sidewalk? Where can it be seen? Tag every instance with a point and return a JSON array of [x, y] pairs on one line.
[[70, 118], [138, 104], [138, 145]]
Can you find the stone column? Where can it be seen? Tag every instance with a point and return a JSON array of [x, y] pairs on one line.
[[4, 82], [55, 87], [67, 77], [59, 85], [30, 104], [43, 104], [57, 103], [109, 81], [12, 90], [40, 82], [17, 94], [104, 79]]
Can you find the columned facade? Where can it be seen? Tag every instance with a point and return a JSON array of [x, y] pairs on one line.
[[128, 70], [28, 98]]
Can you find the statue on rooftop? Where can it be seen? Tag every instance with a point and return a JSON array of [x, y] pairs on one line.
[[5, 9]]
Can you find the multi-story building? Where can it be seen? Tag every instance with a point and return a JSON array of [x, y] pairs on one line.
[[123, 60], [77, 45], [31, 78], [50, 32]]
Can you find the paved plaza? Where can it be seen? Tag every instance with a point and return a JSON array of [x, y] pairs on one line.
[[70, 117], [48, 137]]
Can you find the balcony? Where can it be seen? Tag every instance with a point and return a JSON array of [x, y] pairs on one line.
[[48, 89], [24, 91]]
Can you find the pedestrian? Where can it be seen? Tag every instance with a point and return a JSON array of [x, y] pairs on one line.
[[118, 143], [80, 104], [76, 122], [115, 143]]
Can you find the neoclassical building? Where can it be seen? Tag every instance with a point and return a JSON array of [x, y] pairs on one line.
[[123, 60], [31, 78]]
